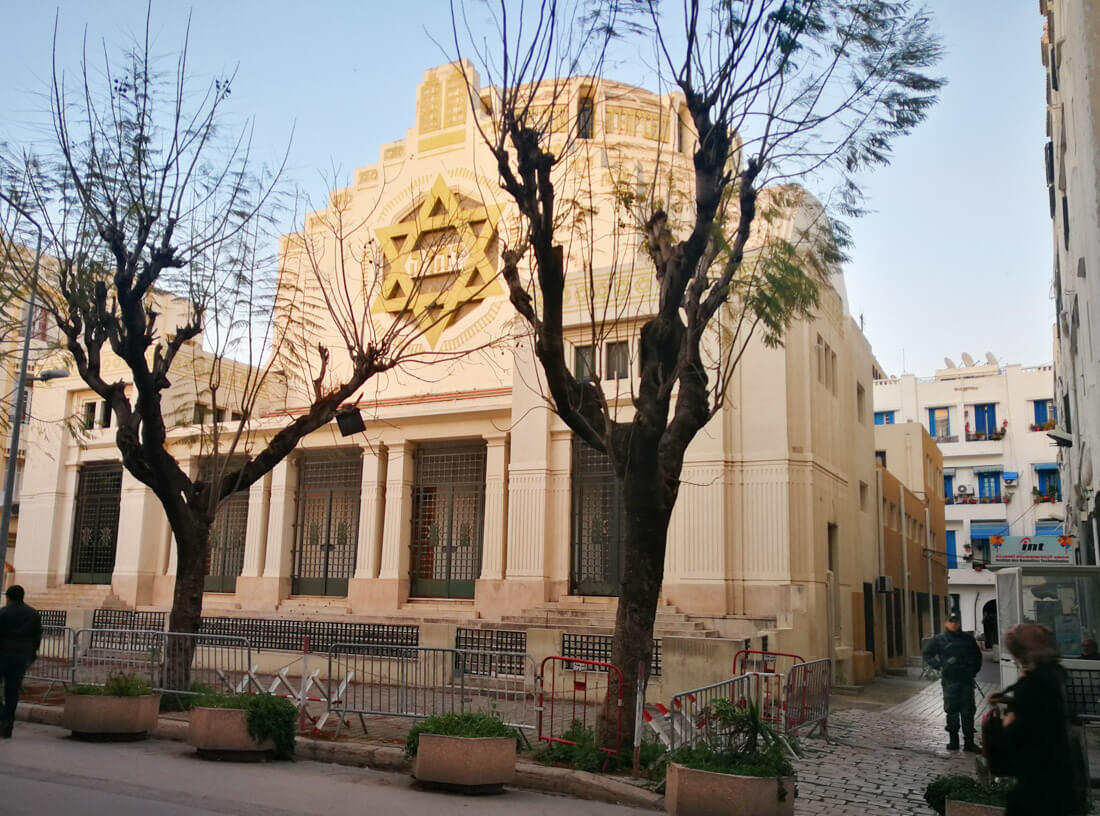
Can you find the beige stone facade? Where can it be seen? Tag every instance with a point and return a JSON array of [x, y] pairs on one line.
[[466, 497]]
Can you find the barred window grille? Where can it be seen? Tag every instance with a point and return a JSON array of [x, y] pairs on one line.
[[598, 523], [53, 617], [1083, 694], [328, 524], [598, 647], [225, 555], [492, 652], [292, 635], [448, 520], [95, 523]]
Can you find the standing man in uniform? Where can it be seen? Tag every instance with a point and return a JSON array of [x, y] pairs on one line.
[[956, 655], [20, 637]]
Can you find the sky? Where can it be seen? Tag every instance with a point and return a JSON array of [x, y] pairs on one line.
[[955, 256]]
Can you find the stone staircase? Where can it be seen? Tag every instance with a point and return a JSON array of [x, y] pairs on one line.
[[596, 616], [77, 596]]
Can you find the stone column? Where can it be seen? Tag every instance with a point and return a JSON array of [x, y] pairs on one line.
[[267, 590], [255, 536], [368, 557], [391, 589], [141, 524], [494, 537]]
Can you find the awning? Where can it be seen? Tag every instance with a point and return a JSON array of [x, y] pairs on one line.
[[1011, 474], [985, 529], [988, 468], [1046, 466], [949, 471], [1048, 528]]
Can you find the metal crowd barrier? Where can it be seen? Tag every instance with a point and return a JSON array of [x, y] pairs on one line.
[[573, 691], [689, 718], [55, 657], [806, 697], [217, 662], [420, 681]]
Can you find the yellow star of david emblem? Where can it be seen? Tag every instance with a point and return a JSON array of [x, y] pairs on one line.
[[438, 261]]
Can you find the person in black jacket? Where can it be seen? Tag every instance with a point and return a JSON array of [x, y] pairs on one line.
[[1034, 743], [956, 655], [20, 637]]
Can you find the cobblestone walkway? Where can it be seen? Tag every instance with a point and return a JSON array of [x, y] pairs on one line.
[[879, 761]]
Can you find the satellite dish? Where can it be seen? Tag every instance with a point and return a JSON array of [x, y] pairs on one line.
[[967, 359], [991, 359], [947, 361]]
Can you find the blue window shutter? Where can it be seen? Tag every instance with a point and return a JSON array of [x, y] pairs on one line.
[[932, 422], [949, 542], [1040, 412], [948, 487]]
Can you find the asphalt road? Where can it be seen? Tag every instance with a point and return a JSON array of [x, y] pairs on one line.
[[45, 773]]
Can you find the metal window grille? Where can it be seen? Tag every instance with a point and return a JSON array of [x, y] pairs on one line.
[[95, 525], [598, 523], [448, 520], [53, 617], [1083, 693], [290, 635], [482, 651], [328, 525], [225, 555], [598, 647]]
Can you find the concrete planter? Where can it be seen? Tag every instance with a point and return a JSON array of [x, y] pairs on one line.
[[970, 809], [479, 764], [222, 733], [704, 793], [100, 717]]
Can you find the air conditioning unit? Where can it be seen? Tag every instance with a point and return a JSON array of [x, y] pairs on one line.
[[963, 490], [884, 584]]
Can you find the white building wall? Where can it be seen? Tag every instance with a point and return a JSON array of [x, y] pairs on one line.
[[1013, 390]]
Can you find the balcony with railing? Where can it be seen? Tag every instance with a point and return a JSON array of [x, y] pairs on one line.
[[976, 508]]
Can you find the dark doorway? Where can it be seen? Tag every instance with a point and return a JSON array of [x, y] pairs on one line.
[[598, 524], [869, 618], [95, 524]]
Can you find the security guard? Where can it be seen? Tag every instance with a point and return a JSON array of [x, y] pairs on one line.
[[956, 655]]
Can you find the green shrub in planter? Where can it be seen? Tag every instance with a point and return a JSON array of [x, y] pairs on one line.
[[456, 725], [963, 788], [269, 717], [116, 685]]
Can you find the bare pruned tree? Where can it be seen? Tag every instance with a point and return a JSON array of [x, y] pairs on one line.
[[771, 97], [157, 222]]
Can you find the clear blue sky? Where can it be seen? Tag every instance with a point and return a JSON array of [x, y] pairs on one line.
[[956, 256]]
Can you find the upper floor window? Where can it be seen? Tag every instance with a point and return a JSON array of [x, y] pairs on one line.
[[880, 457], [985, 419], [584, 363], [989, 487], [884, 417], [1046, 415], [617, 359], [939, 423], [1049, 483], [586, 117], [949, 489], [861, 403], [92, 413]]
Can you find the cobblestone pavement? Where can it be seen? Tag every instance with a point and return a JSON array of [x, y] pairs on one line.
[[879, 760]]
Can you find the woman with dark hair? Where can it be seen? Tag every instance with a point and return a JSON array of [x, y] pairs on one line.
[[1035, 743]]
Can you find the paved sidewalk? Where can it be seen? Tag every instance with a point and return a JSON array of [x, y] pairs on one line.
[[882, 755]]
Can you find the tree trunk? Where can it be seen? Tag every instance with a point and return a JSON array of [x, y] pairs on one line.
[[632, 644], [186, 615]]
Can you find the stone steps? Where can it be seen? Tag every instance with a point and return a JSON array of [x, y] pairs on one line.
[[77, 596]]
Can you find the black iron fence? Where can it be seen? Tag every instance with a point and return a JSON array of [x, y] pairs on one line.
[[598, 648]]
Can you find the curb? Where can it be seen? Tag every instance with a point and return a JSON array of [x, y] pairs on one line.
[[529, 775]]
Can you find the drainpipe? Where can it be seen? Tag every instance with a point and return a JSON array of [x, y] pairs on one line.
[[928, 556], [906, 612]]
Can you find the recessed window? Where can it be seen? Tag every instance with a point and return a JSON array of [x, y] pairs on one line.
[[617, 361], [861, 403], [104, 415], [885, 417], [584, 363], [87, 416], [880, 456], [863, 491], [939, 423], [198, 414], [586, 117]]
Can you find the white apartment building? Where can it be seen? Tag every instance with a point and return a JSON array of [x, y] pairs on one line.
[[1000, 469], [1070, 45]]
